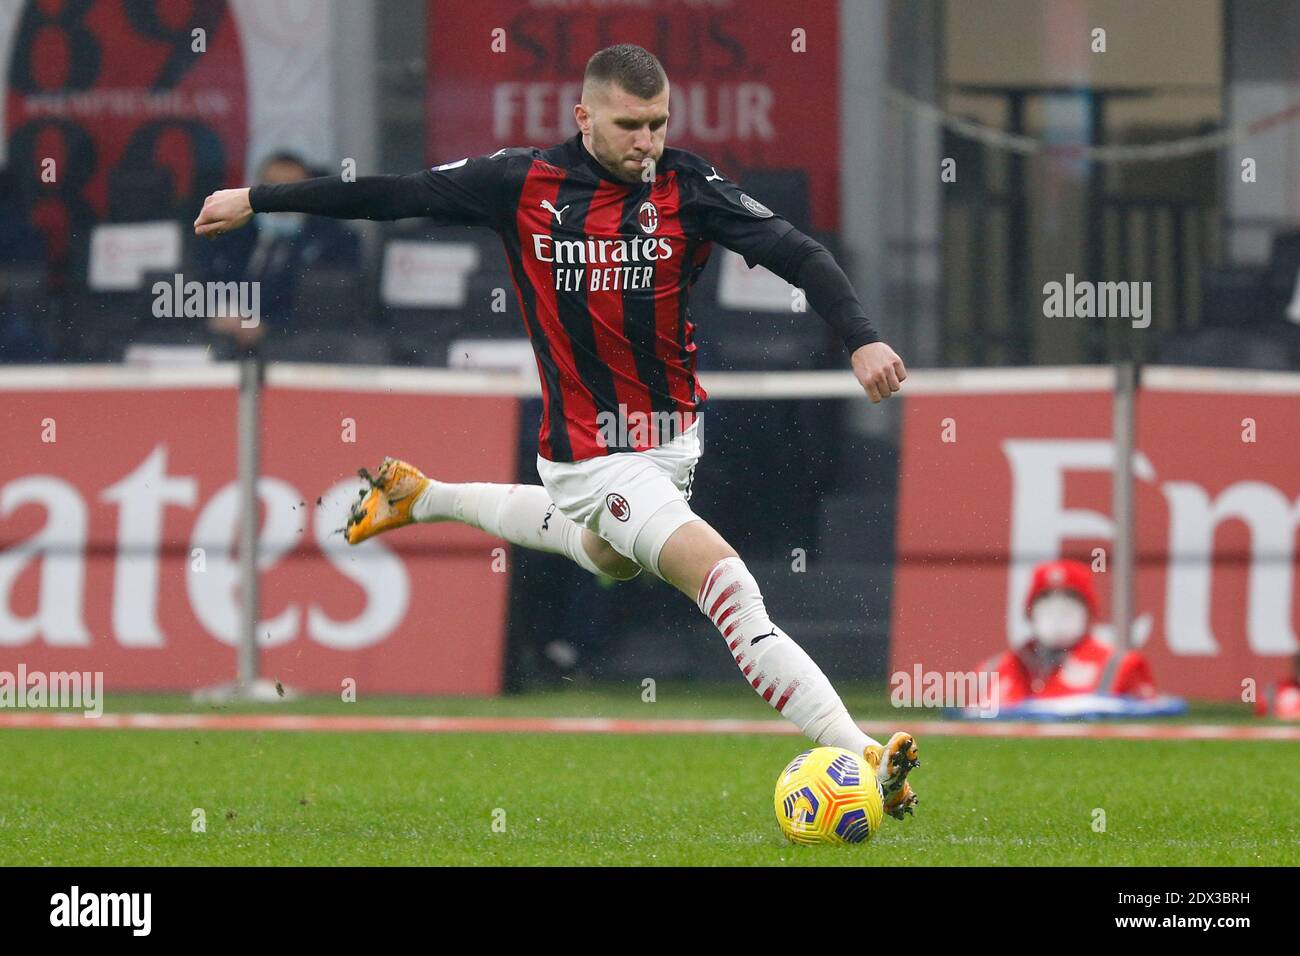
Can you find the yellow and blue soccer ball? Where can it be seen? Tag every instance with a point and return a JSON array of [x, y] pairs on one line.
[[828, 795]]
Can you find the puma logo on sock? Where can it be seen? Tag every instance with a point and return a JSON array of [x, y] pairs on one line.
[[771, 633]]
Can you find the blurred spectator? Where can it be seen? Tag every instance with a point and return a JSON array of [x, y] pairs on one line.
[[1061, 656], [1264, 344], [279, 250], [21, 341], [22, 257], [235, 337], [1250, 318], [20, 240]]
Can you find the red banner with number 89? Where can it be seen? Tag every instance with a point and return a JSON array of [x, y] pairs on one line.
[[108, 101]]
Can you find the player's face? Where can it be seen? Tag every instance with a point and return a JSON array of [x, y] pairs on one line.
[[621, 130]]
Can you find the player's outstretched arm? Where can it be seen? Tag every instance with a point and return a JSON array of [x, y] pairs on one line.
[[744, 225], [807, 264], [367, 197]]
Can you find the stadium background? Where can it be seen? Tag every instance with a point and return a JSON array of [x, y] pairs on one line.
[[847, 140]]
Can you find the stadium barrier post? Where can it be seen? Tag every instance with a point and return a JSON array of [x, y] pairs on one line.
[[248, 684], [1123, 565]]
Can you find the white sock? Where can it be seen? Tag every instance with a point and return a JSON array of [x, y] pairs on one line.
[[775, 666], [522, 514]]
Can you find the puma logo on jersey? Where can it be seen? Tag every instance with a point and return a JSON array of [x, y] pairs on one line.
[[709, 179], [557, 213]]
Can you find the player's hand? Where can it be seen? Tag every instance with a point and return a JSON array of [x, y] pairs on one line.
[[879, 370], [224, 210]]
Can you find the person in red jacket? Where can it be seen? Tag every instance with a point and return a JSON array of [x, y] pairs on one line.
[[1062, 657]]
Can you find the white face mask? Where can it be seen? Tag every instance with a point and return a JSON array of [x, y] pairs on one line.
[[1059, 620], [281, 225]]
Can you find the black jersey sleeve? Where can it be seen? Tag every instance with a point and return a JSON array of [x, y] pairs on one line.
[[468, 192], [722, 213], [734, 219]]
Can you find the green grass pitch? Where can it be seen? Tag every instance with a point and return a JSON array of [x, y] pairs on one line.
[[124, 797]]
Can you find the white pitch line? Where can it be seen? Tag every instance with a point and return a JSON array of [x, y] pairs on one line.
[[371, 723]]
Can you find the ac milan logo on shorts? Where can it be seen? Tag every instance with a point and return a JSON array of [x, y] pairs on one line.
[[648, 217], [618, 506]]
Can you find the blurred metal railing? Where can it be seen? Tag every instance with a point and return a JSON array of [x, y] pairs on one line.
[[993, 297]]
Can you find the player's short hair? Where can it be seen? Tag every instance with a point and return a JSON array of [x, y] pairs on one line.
[[633, 68]]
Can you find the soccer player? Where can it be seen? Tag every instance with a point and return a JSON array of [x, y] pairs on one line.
[[605, 235]]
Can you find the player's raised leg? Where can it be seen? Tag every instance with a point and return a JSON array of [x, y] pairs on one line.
[[400, 494], [698, 562]]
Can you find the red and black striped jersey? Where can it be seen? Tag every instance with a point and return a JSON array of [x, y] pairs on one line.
[[603, 270]]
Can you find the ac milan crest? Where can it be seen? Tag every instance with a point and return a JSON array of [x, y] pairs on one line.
[[648, 217], [618, 506]]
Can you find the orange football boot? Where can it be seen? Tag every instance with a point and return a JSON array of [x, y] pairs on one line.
[[386, 504], [893, 762]]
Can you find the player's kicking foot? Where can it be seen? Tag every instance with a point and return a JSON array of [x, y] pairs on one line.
[[893, 762], [386, 504]]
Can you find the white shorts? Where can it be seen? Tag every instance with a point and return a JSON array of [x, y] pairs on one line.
[[615, 496]]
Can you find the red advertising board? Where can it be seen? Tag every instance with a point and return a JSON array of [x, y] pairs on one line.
[[992, 483], [118, 540], [743, 75]]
